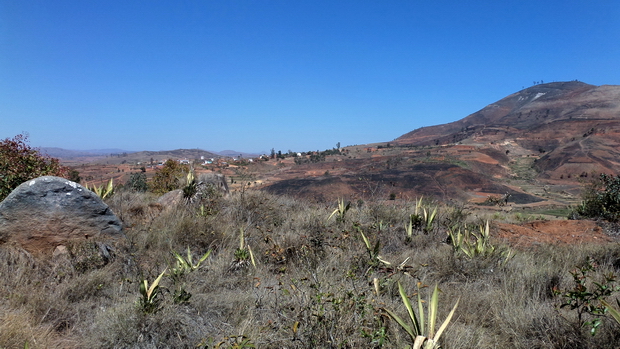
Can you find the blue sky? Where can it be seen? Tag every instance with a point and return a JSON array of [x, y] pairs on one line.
[[290, 75]]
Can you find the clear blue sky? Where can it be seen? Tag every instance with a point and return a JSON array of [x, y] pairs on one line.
[[299, 75]]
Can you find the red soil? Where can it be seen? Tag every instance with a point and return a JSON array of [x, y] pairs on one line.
[[552, 232]]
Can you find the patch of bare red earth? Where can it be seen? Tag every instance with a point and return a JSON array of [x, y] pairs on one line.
[[552, 232]]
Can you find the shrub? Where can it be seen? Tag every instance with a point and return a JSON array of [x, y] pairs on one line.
[[19, 163], [137, 182], [167, 178], [601, 199], [587, 297]]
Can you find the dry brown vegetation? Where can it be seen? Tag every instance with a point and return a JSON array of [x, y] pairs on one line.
[[311, 285]]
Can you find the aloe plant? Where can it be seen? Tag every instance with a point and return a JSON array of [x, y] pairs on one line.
[[421, 330], [149, 302]]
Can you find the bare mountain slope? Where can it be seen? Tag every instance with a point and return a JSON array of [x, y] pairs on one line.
[[569, 122]]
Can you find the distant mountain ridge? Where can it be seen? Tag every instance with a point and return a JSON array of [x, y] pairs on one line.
[[95, 154], [234, 153], [72, 154]]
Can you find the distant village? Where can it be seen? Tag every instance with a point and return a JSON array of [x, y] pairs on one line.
[[226, 161]]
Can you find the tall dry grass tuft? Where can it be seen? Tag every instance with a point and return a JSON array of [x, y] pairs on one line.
[[18, 328]]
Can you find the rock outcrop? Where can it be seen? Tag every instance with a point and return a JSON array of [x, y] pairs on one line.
[[212, 181], [49, 211], [207, 185]]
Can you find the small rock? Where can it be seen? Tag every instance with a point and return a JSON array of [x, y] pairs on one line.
[[171, 199], [60, 250]]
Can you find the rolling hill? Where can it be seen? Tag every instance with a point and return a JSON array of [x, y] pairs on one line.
[[536, 144], [574, 125]]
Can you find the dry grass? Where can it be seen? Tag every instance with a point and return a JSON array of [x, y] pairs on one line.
[[312, 286]]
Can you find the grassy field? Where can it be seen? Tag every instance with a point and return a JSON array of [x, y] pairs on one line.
[[284, 273]]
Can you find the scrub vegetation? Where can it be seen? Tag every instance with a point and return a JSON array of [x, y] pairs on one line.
[[20, 162], [267, 271]]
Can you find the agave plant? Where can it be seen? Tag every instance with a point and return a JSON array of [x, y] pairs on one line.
[[478, 245], [103, 191], [232, 342], [470, 243], [614, 312], [243, 255], [191, 187], [429, 219], [373, 252], [149, 303], [421, 218], [341, 211], [409, 228], [185, 265], [421, 330]]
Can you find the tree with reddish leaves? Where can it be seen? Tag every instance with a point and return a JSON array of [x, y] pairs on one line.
[[19, 163]]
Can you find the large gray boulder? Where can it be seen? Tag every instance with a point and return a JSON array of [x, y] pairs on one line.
[[49, 211]]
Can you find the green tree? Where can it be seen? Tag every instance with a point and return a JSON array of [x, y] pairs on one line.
[[601, 198], [19, 163], [137, 182], [167, 177]]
